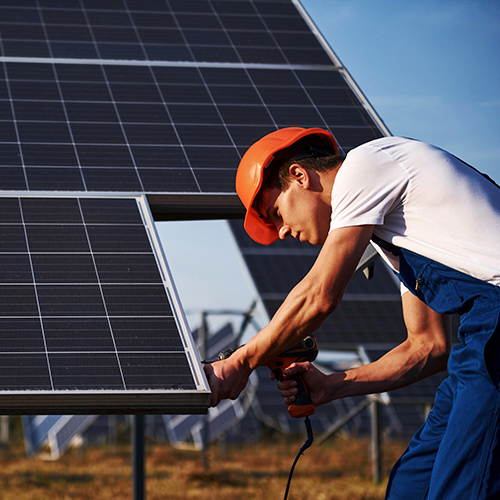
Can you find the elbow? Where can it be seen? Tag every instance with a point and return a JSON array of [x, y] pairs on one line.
[[440, 353], [437, 355], [324, 303]]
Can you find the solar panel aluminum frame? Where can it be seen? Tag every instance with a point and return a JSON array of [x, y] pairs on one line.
[[126, 401], [348, 77]]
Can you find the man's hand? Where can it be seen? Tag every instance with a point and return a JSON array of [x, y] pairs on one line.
[[227, 379], [314, 379], [423, 353]]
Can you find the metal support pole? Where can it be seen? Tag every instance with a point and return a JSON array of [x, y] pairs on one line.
[[203, 338], [4, 429], [138, 457], [375, 441], [112, 433]]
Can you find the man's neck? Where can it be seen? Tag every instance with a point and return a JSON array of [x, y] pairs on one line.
[[327, 179]]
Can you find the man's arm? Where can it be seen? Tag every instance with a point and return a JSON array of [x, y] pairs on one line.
[[302, 312], [423, 353]]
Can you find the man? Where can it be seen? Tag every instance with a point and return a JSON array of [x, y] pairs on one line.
[[436, 221]]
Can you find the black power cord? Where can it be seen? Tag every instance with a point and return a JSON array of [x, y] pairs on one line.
[[307, 444]]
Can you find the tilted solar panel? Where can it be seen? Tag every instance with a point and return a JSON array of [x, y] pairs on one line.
[[160, 96], [56, 431], [89, 319], [234, 31]]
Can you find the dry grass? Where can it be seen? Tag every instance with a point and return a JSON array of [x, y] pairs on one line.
[[340, 470]]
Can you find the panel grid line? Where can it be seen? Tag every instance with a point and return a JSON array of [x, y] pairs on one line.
[[245, 69], [271, 34], [205, 83], [40, 13], [40, 316], [168, 63], [163, 101], [110, 326], [84, 11], [13, 111]]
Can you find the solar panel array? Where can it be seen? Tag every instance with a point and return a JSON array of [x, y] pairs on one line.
[[55, 431], [154, 97], [159, 96], [88, 315]]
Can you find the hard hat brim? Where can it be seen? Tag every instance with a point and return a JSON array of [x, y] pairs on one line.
[[258, 229]]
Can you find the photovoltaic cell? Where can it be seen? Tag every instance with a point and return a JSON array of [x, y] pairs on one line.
[[92, 313]]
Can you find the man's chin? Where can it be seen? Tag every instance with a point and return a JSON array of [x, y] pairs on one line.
[[320, 241], [316, 242]]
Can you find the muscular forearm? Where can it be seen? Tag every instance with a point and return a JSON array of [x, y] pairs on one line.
[[423, 353], [311, 300], [303, 311], [299, 315], [404, 365]]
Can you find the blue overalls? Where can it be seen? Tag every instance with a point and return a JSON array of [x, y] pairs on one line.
[[455, 455]]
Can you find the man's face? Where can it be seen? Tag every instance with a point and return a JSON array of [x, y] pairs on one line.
[[295, 212]]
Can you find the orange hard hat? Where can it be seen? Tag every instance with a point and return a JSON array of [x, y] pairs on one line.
[[250, 174]]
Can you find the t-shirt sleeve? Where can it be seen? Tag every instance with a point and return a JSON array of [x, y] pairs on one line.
[[368, 186]]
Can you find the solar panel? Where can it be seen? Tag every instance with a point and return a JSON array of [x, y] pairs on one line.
[[56, 431], [161, 96], [89, 319]]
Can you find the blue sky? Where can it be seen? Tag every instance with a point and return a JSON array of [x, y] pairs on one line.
[[431, 69]]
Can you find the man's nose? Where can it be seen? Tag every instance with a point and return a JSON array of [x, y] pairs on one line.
[[284, 232]]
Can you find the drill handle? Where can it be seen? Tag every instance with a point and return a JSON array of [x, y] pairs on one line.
[[303, 405]]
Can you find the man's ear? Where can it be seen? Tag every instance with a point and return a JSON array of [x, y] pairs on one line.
[[300, 175]]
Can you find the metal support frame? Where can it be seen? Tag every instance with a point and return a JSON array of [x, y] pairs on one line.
[[138, 460], [376, 449], [205, 433]]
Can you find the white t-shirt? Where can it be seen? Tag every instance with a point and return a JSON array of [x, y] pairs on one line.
[[421, 198]]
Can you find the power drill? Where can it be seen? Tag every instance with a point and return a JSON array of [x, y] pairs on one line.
[[305, 350]]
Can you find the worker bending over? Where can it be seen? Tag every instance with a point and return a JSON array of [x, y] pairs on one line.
[[436, 221]]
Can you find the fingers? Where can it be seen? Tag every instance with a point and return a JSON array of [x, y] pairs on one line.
[[286, 385], [295, 368], [212, 380], [292, 370], [288, 388], [288, 391], [225, 381]]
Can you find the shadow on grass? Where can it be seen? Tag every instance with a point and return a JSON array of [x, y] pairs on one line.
[[241, 478], [42, 479]]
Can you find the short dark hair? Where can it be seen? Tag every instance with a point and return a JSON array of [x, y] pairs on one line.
[[279, 174], [309, 152], [321, 164]]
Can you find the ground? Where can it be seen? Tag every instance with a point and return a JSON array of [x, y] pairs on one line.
[[336, 470]]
